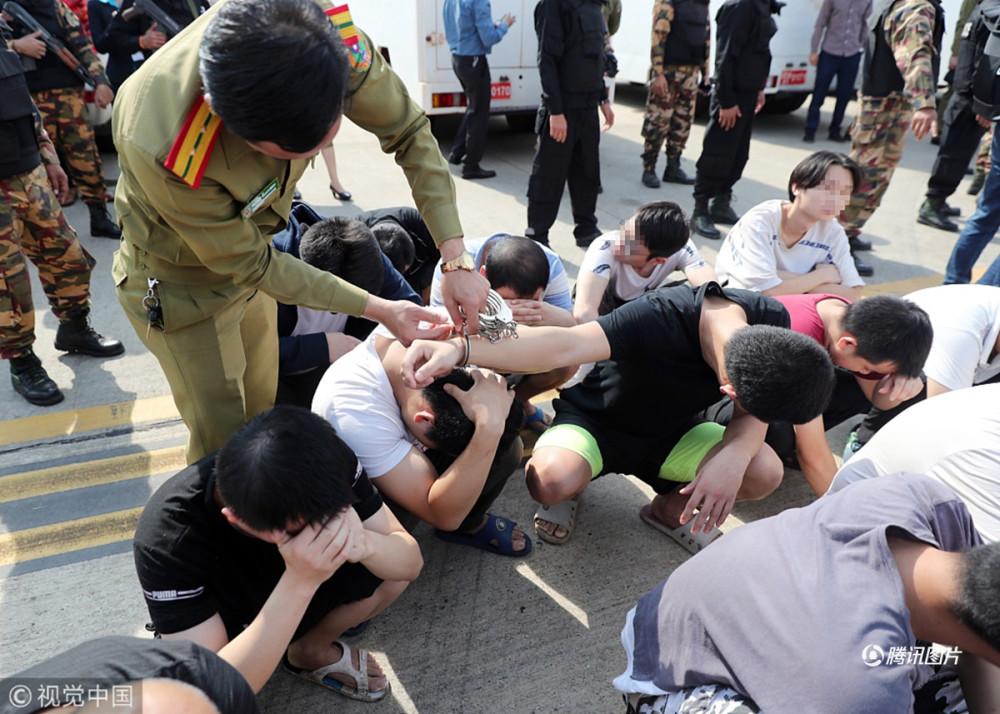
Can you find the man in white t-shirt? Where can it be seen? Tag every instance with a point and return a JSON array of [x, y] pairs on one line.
[[965, 350], [622, 265], [441, 454], [797, 246], [954, 439]]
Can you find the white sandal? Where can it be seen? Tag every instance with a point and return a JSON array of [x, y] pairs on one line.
[[562, 514], [344, 666]]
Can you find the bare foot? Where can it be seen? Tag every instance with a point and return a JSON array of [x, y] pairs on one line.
[[517, 540], [553, 529], [668, 508]]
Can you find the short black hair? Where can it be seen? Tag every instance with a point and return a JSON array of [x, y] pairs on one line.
[[812, 170], [453, 430], [275, 70], [287, 464], [662, 227], [517, 263], [977, 605], [778, 374], [345, 247], [396, 243], [890, 329]]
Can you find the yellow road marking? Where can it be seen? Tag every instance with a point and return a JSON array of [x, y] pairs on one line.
[[67, 537], [75, 421], [90, 473]]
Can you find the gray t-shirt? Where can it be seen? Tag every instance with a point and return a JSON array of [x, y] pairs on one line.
[[781, 610]]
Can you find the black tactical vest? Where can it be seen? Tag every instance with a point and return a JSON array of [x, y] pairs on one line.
[[18, 144], [881, 76], [687, 42], [49, 72]]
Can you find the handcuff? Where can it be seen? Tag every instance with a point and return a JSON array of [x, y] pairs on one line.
[[495, 322]]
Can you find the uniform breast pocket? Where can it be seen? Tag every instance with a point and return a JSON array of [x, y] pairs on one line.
[[592, 31]]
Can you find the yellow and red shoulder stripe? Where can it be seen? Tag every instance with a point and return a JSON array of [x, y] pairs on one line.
[[192, 148], [358, 51]]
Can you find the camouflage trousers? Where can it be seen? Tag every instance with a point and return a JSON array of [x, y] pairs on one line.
[[705, 699], [876, 145], [668, 118], [67, 121], [32, 225], [983, 157]]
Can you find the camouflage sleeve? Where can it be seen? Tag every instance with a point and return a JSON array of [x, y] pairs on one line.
[[909, 30], [80, 44], [663, 16], [613, 16], [45, 147], [963, 17]]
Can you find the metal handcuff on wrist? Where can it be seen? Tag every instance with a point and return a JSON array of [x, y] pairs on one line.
[[495, 322]]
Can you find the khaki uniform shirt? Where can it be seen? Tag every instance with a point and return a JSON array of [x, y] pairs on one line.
[[196, 240]]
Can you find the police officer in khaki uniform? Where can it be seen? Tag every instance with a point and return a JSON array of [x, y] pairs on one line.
[[200, 192]]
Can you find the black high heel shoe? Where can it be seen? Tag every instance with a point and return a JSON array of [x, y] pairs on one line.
[[340, 195]]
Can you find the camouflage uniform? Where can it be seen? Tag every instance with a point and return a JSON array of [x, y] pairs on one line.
[[983, 157], [65, 116], [668, 118], [880, 130], [32, 224]]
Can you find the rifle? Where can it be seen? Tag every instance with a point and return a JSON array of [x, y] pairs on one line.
[[148, 7], [29, 23]]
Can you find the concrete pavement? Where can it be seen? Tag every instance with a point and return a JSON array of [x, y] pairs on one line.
[[476, 632]]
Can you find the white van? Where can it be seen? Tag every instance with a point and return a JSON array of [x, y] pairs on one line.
[[410, 35]]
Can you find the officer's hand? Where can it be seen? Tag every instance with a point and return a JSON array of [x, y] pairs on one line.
[[953, 62], [761, 99], [151, 39], [103, 95], [924, 121], [406, 320], [509, 19], [728, 117], [60, 184], [983, 122], [814, 59], [30, 45], [467, 290], [609, 115], [557, 127], [659, 86]]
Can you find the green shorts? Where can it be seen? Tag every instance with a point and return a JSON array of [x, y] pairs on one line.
[[681, 463]]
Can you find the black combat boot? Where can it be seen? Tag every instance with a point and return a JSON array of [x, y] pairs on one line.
[[101, 225], [864, 270], [674, 173], [722, 210], [31, 381], [650, 179], [701, 221], [932, 214], [77, 336]]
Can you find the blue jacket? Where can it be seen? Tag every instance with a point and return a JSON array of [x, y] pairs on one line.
[[299, 353], [469, 27]]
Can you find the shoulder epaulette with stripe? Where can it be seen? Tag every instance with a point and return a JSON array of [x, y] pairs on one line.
[[358, 52], [189, 155]]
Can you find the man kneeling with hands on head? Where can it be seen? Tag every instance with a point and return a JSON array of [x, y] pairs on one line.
[[278, 538], [661, 360]]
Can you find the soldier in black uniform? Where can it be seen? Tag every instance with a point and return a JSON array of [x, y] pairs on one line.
[[571, 68], [742, 60], [962, 128]]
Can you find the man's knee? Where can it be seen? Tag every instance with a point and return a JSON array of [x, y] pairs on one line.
[[763, 475], [554, 475]]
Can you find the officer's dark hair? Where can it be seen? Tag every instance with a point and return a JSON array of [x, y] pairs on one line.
[[275, 70], [778, 374], [812, 170], [517, 263], [286, 465], [395, 242], [890, 329], [452, 430], [977, 605], [345, 247], [662, 227]]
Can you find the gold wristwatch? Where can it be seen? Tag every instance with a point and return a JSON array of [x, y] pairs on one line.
[[462, 262]]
